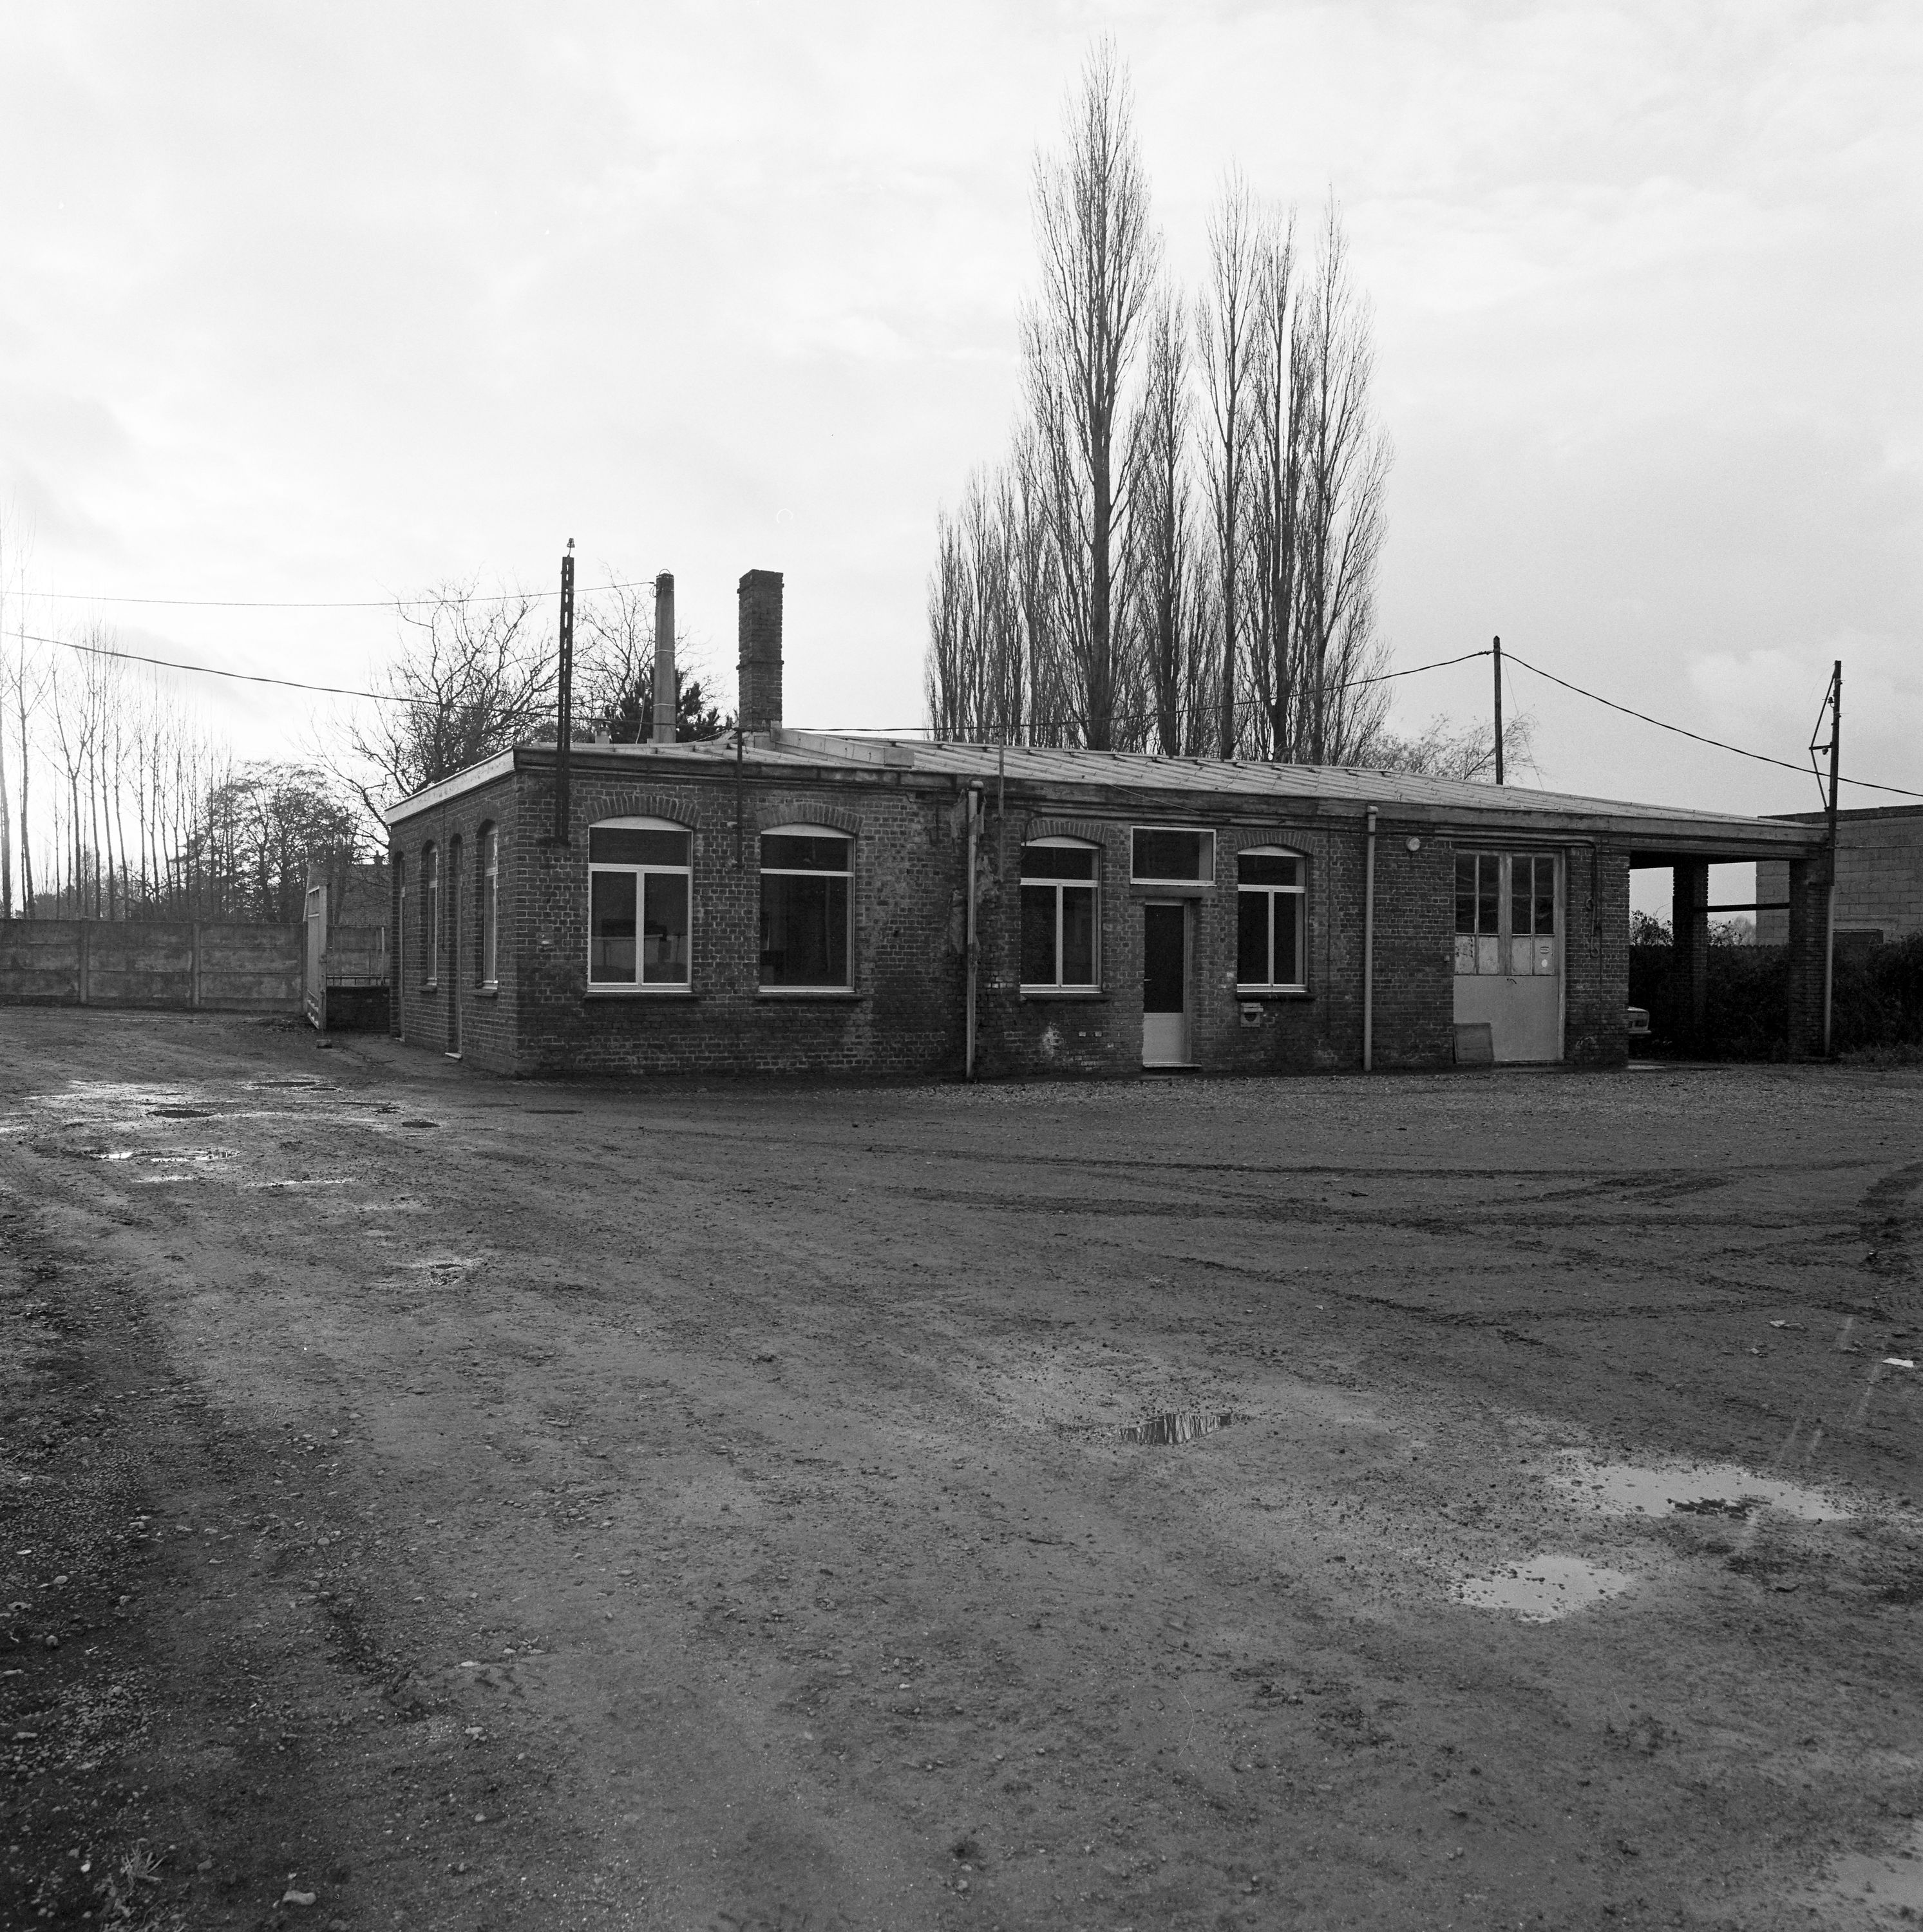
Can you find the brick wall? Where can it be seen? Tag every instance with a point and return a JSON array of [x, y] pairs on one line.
[[905, 1015], [424, 1015]]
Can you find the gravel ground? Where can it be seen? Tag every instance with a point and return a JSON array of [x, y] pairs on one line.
[[435, 1500]]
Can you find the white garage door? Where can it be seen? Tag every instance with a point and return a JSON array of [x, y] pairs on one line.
[[1509, 951]]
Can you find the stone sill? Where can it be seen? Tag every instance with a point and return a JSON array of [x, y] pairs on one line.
[[638, 993], [1248, 995], [832, 995], [1085, 995]]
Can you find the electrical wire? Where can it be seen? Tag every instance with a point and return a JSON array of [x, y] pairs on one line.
[[1761, 757], [327, 604], [1046, 724], [208, 671]]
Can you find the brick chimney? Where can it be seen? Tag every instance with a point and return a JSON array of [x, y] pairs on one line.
[[760, 669]]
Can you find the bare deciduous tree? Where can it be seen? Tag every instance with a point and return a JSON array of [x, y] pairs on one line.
[[475, 675], [1170, 600], [1224, 331], [1276, 386], [1080, 342], [1344, 475]]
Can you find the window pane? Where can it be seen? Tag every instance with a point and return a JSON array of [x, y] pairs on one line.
[[1545, 895], [790, 852], [1522, 893], [665, 930], [1038, 936], [490, 900], [611, 927], [1269, 868], [804, 931], [1488, 888], [1057, 861], [1173, 855], [1252, 937], [1289, 939], [625, 845], [1465, 891], [1078, 935]]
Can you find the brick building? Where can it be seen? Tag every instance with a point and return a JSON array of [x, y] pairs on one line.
[[793, 902], [1879, 877]]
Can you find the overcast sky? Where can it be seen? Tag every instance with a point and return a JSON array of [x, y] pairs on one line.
[[333, 302]]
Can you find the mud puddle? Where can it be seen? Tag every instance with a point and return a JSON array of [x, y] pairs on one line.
[[1692, 1489], [1178, 1426], [1543, 1589]]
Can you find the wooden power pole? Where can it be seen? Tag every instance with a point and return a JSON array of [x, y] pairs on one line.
[[1829, 915], [1498, 649]]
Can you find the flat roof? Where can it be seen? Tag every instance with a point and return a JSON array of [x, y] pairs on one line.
[[1655, 830]]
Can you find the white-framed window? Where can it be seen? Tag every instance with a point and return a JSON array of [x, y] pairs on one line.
[[1505, 913], [430, 916], [807, 907], [491, 904], [640, 879], [1169, 855], [1271, 903], [399, 967], [1060, 890]]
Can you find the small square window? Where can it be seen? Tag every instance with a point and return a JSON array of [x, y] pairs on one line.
[[1165, 856]]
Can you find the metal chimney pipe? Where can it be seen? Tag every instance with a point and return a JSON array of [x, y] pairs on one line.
[[667, 697]]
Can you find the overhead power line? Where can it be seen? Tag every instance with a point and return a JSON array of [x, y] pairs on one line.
[[1662, 724], [208, 671], [1046, 724], [323, 603]]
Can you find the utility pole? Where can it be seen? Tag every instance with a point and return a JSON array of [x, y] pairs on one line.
[[1829, 915], [1499, 709], [565, 723]]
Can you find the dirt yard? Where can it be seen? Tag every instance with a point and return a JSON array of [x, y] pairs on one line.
[[436, 1501]]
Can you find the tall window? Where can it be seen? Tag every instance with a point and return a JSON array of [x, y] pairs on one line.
[[490, 901], [807, 877], [1058, 925], [1271, 898], [1505, 913], [639, 873], [430, 916], [400, 964]]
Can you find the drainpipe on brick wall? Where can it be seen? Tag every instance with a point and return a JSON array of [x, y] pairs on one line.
[[1369, 950], [974, 822]]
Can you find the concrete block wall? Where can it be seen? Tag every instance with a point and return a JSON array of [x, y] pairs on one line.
[[1879, 876], [231, 967]]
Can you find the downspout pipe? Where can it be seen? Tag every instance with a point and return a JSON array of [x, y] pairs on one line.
[[968, 941], [1369, 949]]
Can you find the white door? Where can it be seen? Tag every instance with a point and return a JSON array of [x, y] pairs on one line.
[[1165, 985], [1509, 951]]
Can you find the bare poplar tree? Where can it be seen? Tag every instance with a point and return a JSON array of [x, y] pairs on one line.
[[1344, 476], [1080, 342], [1173, 646], [1277, 384], [1225, 331]]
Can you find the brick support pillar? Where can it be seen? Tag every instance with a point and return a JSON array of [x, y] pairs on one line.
[[1689, 920], [760, 669], [1809, 929]]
